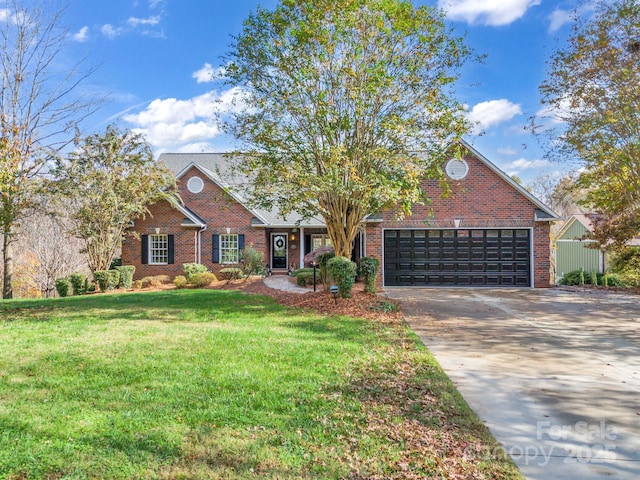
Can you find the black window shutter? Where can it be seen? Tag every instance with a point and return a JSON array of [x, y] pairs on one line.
[[145, 249], [170, 248], [307, 244], [240, 242], [216, 249]]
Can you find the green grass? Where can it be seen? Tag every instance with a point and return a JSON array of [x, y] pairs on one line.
[[219, 384]]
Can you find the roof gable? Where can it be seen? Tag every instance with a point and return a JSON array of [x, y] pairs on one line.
[[545, 214]]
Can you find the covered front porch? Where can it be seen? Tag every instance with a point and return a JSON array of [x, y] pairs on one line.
[[287, 247]]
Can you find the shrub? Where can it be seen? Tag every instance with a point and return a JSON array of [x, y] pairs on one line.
[[155, 281], [79, 283], [116, 262], [102, 279], [180, 281], [126, 275], [203, 279], [252, 262], [191, 269], [323, 263], [343, 272], [295, 273], [626, 264], [114, 279], [368, 270], [230, 273], [138, 284], [578, 277], [304, 277], [63, 286]]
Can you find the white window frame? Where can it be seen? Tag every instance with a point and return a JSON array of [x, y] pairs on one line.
[[229, 253], [159, 249], [324, 238]]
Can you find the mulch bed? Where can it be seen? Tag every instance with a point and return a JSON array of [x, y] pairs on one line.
[[360, 305]]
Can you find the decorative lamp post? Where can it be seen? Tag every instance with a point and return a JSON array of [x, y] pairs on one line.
[[314, 264]]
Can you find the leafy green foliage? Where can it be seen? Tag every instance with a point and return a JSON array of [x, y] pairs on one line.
[[305, 278], [126, 275], [252, 262], [202, 279], [180, 281], [231, 273], [349, 105], [323, 264], [190, 269], [63, 287], [368, 270], [343, 271], [626, 263], [593, 90], [108, 181], [79, 283], [103, 279]]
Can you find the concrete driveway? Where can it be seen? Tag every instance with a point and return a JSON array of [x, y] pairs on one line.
[[554, 374]]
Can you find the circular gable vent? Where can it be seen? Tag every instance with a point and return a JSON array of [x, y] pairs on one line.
[[195, 184], [456, 169]]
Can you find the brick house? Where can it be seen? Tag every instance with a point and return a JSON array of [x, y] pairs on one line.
[[488, 232]]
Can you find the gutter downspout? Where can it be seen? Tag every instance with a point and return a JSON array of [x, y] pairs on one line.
[[199, 244]]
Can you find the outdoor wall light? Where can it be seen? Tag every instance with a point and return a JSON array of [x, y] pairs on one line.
[[228, 230], [334, 291], [157, 230], [456, 222]]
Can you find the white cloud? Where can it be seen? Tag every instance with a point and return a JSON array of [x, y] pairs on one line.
[[135, 22], [82, 35], [507, 151], [173, 125], [559, 18], [208, 74], [492, 112], [155, 3], [487, 12], [521, 164], [110, 31]]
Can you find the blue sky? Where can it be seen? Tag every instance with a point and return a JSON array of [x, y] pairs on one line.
[[155, 59]]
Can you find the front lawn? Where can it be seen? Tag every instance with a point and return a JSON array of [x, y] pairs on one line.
[[220, 384]]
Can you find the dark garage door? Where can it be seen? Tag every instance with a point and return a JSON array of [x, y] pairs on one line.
[[460, 257]]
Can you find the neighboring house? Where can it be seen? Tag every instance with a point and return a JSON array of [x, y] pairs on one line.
[[488, 232], [574, 251]]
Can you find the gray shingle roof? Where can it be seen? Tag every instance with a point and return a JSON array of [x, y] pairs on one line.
[[216, 166]]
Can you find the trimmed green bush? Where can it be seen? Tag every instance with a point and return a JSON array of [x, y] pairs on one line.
[[180, 281], [323, 263], [295, 273], [252, 262], [305, 278], [102, 279], [63, 286], [231, 273], [203, 279], [126, 275], [343, 271], [368, 270], [191, 269], [114, 279], [78, 283]]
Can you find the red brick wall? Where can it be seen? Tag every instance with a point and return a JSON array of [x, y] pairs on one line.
[[482, 199], [215, 207]]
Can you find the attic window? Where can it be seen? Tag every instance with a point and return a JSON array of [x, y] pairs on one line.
[[456, 169], [195, 184]]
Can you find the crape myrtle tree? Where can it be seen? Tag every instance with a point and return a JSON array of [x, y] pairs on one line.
[[108, 181], [39, 107], [593, 88], [348, 106]]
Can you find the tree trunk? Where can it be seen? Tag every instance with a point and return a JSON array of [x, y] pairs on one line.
[[7, 259]]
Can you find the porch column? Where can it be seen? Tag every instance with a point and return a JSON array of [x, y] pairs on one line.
[[301, 242]]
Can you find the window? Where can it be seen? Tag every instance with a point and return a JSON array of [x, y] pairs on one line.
[[195, 184], [229, 248], [158, 249], [320, 240]]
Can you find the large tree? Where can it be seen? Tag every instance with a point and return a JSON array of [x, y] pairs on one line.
[[349, 105], [107, 182], [40, 105], [593, 88]]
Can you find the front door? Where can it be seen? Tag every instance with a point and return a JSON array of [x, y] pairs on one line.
[[278, 250]]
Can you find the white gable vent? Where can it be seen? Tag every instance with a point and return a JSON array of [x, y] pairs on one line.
[[456, 169], [195, 184]]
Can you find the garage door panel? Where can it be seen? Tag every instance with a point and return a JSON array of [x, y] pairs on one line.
[[465, 257]]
